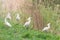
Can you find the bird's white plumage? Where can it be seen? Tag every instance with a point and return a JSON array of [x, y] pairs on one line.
[[28, 22], [7, 23], [18, 17], [46, 28], [8, 16]]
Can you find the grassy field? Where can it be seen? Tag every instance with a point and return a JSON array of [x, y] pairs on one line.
[[18, 32]]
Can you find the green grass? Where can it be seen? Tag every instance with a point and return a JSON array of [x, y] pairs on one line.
[[19, 32]]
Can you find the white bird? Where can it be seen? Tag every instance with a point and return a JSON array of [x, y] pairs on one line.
[[7, 23], [8, 16], [46, 28], [17, 17], [28, 22]]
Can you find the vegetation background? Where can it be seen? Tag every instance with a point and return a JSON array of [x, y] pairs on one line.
[[42, 12]]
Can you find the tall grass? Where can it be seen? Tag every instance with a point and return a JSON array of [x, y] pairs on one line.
[[19, 32], [51, 16]]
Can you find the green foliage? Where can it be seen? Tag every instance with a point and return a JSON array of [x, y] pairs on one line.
[[19, 32]]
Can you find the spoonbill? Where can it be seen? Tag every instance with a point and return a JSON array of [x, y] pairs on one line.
[[27, 23], [46, 28], [7, 23]]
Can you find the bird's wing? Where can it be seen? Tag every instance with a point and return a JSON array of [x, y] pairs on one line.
[[26, 23], [44, 28]]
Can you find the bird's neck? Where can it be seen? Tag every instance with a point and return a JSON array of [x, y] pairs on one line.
[[17, 16], [48, 25], [29, 20], [5, 20]]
